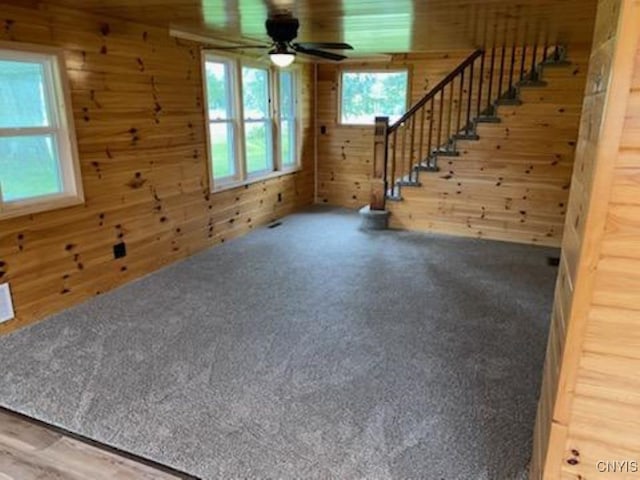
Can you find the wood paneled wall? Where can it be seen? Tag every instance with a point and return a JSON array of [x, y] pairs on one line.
[[345, 152], [512, 184], [137, 102], [589, 407]]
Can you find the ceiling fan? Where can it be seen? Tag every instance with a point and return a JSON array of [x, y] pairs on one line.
[[283, 29]]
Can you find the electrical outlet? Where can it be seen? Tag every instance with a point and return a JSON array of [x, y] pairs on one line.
[[6, 305], [119, 250]]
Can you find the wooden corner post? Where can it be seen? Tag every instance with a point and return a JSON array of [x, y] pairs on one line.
[[379, 176]]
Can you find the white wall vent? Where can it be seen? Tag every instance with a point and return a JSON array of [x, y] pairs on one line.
[[6, 305]]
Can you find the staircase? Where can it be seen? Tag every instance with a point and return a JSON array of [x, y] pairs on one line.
[[457, 119]]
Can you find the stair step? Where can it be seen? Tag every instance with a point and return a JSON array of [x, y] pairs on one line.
[[394, 198], [445, 153], [466, 136], [424, 167], [408, 183], [487, 119]]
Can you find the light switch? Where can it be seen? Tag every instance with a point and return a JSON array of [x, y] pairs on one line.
[[6, 305]]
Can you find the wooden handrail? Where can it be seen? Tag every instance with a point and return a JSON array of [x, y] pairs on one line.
[[432, 93]]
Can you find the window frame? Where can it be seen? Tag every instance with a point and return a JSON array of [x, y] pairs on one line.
[[243, 178], [269, 122], [60, 109], [395, 69], [234, 121], [295, 120]]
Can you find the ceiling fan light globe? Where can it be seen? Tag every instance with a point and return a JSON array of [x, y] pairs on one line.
[[282, 60]]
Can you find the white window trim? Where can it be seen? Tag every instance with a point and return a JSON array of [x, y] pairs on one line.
[[343, 71], [242, 178], [69, 165]]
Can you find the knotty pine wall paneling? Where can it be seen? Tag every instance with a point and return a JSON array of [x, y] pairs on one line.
[[137, 100], [590, 401]]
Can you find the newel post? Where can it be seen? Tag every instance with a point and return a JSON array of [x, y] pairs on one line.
[[379, 175]]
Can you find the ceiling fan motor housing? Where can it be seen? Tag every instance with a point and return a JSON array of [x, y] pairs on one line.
[[282, 29]]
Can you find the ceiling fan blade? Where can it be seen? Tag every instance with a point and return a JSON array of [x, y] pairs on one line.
[[319, 53], [329, 45]]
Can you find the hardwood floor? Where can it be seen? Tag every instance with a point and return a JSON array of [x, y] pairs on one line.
[[30, 450]]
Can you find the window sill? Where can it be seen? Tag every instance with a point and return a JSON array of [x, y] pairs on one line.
[[269, 176], [38, 205]]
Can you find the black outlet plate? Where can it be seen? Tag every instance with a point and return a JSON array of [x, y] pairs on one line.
[[119, 250]]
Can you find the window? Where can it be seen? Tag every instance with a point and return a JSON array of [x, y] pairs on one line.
[[288, 123], [258, 137], [251, 111], [366, 95], [38, 161], [222, 128]]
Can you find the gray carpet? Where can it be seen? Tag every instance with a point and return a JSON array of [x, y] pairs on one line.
[[312, 350]]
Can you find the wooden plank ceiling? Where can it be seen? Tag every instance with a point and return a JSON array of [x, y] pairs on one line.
[[371, 26]]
